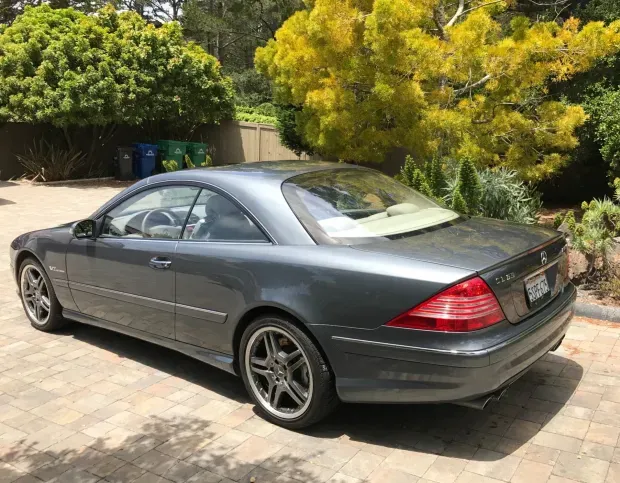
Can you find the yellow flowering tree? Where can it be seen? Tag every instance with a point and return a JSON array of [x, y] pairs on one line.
[[433, 76]]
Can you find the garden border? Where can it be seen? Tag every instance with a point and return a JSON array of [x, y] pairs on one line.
[[595, 311], [72, 181]]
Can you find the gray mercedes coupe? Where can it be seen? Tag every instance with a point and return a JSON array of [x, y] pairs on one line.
[[315, 282]]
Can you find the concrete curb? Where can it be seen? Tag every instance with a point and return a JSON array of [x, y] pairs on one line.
[[601, 312], [72, 181]]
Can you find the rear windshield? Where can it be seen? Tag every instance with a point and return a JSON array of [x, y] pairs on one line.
[[352, 206]]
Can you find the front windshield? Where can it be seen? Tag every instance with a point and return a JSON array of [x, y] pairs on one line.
[[358, 206]]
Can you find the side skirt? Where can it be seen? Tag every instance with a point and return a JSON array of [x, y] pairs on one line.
[[216, 359]]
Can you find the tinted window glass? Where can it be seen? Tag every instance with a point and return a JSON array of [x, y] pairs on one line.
[[359, 206], [216, 218], [155, 213]]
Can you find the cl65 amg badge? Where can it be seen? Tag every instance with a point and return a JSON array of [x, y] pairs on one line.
[[504, 278]]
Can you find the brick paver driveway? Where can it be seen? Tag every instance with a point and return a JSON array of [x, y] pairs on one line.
[[88, 405]]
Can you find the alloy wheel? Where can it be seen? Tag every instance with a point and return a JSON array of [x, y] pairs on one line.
[[35, 295], [279, 372]]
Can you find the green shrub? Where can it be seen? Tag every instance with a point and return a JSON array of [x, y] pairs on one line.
[[469, 186], [286, 124], [406, 171], [493, 193], [458, 203], [170, 165], [569, 219], [558, 220], [189, 163], [263, 114], [506, 197], [437, 177]]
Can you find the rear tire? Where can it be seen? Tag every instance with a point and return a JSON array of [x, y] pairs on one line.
[[285, 373], [38, 297]]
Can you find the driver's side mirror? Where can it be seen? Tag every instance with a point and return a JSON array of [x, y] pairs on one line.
[[84, 229]]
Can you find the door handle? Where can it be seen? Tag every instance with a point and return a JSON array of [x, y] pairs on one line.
[[160, 263]]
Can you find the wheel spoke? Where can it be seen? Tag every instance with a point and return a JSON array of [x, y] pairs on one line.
[[293, 367], [259, 366], [271, 345], [295, 390], [258, 361], [288, 358], [270, 390], [31, 279], [45, 303], [277, 396], [40, 282], [37, 309]]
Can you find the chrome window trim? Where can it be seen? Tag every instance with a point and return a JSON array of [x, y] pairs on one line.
[[199, 184]]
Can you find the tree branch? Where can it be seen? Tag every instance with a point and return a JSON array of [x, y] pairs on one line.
[[439, 16], [459, 12], [470, 87], [481, 6]]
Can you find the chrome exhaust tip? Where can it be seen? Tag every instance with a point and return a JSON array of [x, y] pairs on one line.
[[482, 402]]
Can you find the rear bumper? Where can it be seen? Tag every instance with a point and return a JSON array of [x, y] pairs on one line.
[[371, 370]]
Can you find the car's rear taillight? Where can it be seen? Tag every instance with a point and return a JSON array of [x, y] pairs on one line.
[[467, 306]]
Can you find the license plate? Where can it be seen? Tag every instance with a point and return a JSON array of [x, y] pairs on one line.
[[536, 287]]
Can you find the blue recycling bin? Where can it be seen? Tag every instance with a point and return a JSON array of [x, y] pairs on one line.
[[144, 159]]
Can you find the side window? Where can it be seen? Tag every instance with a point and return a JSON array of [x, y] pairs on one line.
[[155, 213], [216, 218]]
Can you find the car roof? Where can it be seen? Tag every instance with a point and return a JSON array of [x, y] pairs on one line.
[[256, 185], [275, 170]]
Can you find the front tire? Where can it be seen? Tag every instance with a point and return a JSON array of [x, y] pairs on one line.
[[38, 297], [285, 373]]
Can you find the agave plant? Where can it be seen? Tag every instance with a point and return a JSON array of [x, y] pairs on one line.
[[49, 163], [507, 197], [503, 196]]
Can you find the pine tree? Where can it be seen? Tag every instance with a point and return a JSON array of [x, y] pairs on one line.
[[458, 202], [437, 178], [469, 186]]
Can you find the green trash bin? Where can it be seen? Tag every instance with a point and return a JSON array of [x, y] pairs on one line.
[[169, 150], [197, 152]]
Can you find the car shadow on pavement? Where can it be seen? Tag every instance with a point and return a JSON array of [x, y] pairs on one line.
[[531, 411]]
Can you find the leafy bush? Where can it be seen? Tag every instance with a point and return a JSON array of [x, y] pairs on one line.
[[264, 114], [190, 164], [49, 163], [493, 193], [64, 67], [286, 125], [558, 220], [170, 165], [422, 181]]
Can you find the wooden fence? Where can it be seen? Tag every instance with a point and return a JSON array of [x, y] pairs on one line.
[[245, 142], [229, 142]]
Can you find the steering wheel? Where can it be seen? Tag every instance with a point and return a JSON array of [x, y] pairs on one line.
[[171, 215]]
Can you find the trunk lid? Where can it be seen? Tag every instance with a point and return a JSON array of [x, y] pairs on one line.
[[504, 254]]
